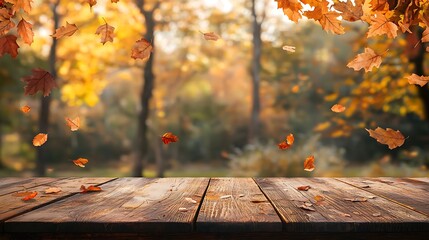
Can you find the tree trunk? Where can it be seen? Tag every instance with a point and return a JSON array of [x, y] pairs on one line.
[[46, 101], [146, 93], [254, 126], [1, 148]]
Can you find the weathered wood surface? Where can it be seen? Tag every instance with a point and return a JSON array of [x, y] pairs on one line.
[[124, 205], [236, 205], [335, 213], [406, 192], [217, 208]]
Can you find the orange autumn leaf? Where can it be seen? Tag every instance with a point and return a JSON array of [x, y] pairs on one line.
[[25, 30], [319, 198], [6, 22], [350, 12], [141, 49], [40, 80], [21, 4], [91, 3], [287, 143], [309, 164], [114, 1], [25, 109], [418, 80], [303, 188], [67, 30], [366, 60], [389, 137], [90, 188], [40, 139], [290, 139], [74, 124], [380, 25], [81, 162], [169, 138], [211, 36], [327, 19], [291, 8], [106, 33], [338, 108], [9, 46], [21, 194], [29, 196], [283, 145]]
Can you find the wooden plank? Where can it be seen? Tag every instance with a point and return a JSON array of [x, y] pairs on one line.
[[236, 205], [10, 185], [335, 214], [420, 179], [124, 205], [409, 193]]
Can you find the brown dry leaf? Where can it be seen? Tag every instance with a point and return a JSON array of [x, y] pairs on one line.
[[182, 209], [25, 109], [289, 48], [380, 25], [327, 19], [389, 137], [80, 162], [319, 198], [376, 214], [357, 199], [291, 8], [347, 215], [21, 194], [25, 30], [90, 188], [52, 190], [21, 4], [40, 139], [5, 22], [40, 80], [67, 30], [418, 80], [303, 188], [74, 124], [287, 143], [338, 108], [350, 12], [309, 164], [30, 196], [308, 208], [141, 49], [169, 138], [106, 33], [366, 60], [8, 45], [211, 36], [190, 200], [114, 1]]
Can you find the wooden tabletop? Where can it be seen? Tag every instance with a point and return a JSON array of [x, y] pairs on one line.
[[216, 208]]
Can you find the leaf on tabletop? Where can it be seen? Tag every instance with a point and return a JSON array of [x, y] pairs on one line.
[[366, 60], [357, 199], [380, 25], [90, 188], [308, 208], [21, 194], [418, 80], [25, 109], [74, 124], [225, 196], [169, 138], [9, 46], [106, 33], [289, 48], [319, 198], [182, 209], [25, 30], [52, 190], [40, 80], [40, 139], [309, 164], [389, 137], [29, 196], [141, 49], [338, 108], [303, 188], [211, 36], [67, 30], [190, 200], [80, 162], [376, 214]]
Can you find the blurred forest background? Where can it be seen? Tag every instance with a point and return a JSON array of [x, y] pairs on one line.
[[230, 101]]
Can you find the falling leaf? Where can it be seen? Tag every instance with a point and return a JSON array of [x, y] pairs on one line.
[[40, 139], [29, 196], [211, 36], [25, 30], [289, 48], [90, 188], [80, 162], [141, 49], [169, 138], [40, 80], [380, 25], [305, 207], [309, 164], [287, 143], [106, 33], [190, 200], [52, 190], [226, 196], [319, 198], [74, 124], [283, 145], [9, 46], [366, 60], [67, 30], [182, 209], [357, 199], [303, 188], [25, 109], [338, 108], [418, 80], [389, 137], [376, 214], [295, 89]]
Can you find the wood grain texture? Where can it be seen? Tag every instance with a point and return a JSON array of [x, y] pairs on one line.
[[335, 214], [420, 179], [124, 205], [10, 185], [409, 193], [236, 205]]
